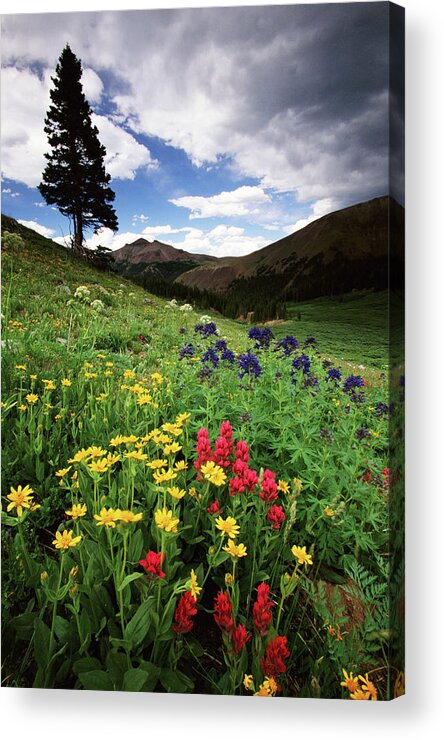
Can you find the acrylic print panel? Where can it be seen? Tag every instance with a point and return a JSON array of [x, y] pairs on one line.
[[203, 363]]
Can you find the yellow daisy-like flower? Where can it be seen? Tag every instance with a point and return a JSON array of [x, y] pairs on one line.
[[172, 448], [112, 459], [368, 687], [181, 418], [283, 486], [96, 451], [116, 441], [32, 398], [302, 555], [22, 407], [89, 375], [129, 517], [33, 377], [163, 476], [236, 551], [214, 473], [194, 587], [248, 682], [176, 492], [49, 384], [136, 455], [180, 465], [20, 367], [62, 472], [130, 439], [80, 456], [228, 526], [360, 695], [20, 498], [65, 382], [157, 464], [174, 429], [192, 492], [64, 540], [76, 511], [157, 377], [165, 520], [268, 688], [99, 466], [107, 517], [351, 682], [144, 399], [328, 511]]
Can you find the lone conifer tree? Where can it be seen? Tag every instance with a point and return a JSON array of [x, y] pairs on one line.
[[75, 179]]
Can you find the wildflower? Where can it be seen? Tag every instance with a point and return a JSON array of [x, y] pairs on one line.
[[211, 357], [152, 562], [129, 517], [107, 517], [62, 472], [336, 633], [172, 448], [276, 516], [236, 551], [362, 433], [262, 336], [187, 350], [248, 682], [65, 540], [288, 344], [80, 456], [240, 638], [129, 374], [20, 367], [353, 381], [49, 384], [156, 464], [20, 498], [214, 508], [269, 687], [351, 683], [176, 492], [195, 589], [277, 652], [268, 492], [369, 687], [76, 511], [360, 695], [229, 580], [262, 609], [44, 576], [182, 418], [165, 520], [328, 511], [301, 363], [192, 492], [223, 612], [249, 365], [203, 448], [180, 465], [65, 382], [228, 526], [98, 466], [186, 608], [32, 398], [302, 556], [214, 473], [22, 407], [163, 476], [283, 486], [89, 375], [96, 451], [74, 571], [334, 374], [136, 455]]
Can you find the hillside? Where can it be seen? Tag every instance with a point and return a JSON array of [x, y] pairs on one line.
[[143, 257]]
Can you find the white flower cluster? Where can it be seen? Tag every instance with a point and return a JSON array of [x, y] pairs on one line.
[[205, 319], [185, 308], [82, 293], [98, 305]]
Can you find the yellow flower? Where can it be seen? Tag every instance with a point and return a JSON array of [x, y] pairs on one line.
[[96, 451], [236, 551], [351, 683], [65, 540], [176, 492], [107, 517], [32, 398], [129, 374], [181, 418], [229, 580], [155, 464], [172, 448], [157, 377], [228, 526], [74, 571], [49, 384], [108, 364], [214, 473], [283, 486], [65, 382], [89, 375], [61, 473], [360, 695], [80, 456], [108, 372], [302, 555], [163, 476], [369, 687], [328, 511], [76, 511], [33, 377], [180, 465], [99, 466], [165, 520], [136, 455], [116, 441], [248, 682], [194, 588], [20, 498], [20, 367], [192, 492], [268, 688], [22, 407], [144, 399], [131, 439], [129, 517]]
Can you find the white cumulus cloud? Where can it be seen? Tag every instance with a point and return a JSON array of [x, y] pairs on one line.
[[39, 228], [243, 201]]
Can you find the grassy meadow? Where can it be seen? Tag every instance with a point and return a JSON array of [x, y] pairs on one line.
[[189, 503]]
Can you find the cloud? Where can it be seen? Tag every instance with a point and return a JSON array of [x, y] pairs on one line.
[[11, 193], [140, 217], [124, 155], [43, 230], [240, 202], [319, 209], [92, 85]]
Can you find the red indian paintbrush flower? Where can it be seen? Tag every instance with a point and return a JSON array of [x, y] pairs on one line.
[[277, 652], [186, 608], [240, 638], [262, 609], [214, 508], [153, 561], [223, 612], [268, 492], [276, 516], [242, 451], [203, 448]]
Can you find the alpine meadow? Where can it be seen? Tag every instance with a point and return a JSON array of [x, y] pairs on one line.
[[203, 425]]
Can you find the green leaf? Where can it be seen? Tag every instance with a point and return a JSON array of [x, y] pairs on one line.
[[84, 665], [96, 681], [134, 679], [116, 664], [135, 549], [62, 629], [137, 628], [129, 579], [41, 643], [153, 673], [175, 682]]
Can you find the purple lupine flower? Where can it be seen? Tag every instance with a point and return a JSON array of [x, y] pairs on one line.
[[335, 374], [289, 344], [262, 336], [249, 365], [353, 381], [186, 351]]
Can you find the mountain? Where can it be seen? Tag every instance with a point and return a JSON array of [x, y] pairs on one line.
[[345, 250], [142, 257]]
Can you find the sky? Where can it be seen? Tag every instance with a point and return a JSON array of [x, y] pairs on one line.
[[225, 128]]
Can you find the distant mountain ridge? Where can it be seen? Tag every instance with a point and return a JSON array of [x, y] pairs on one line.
[[143, 257]]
